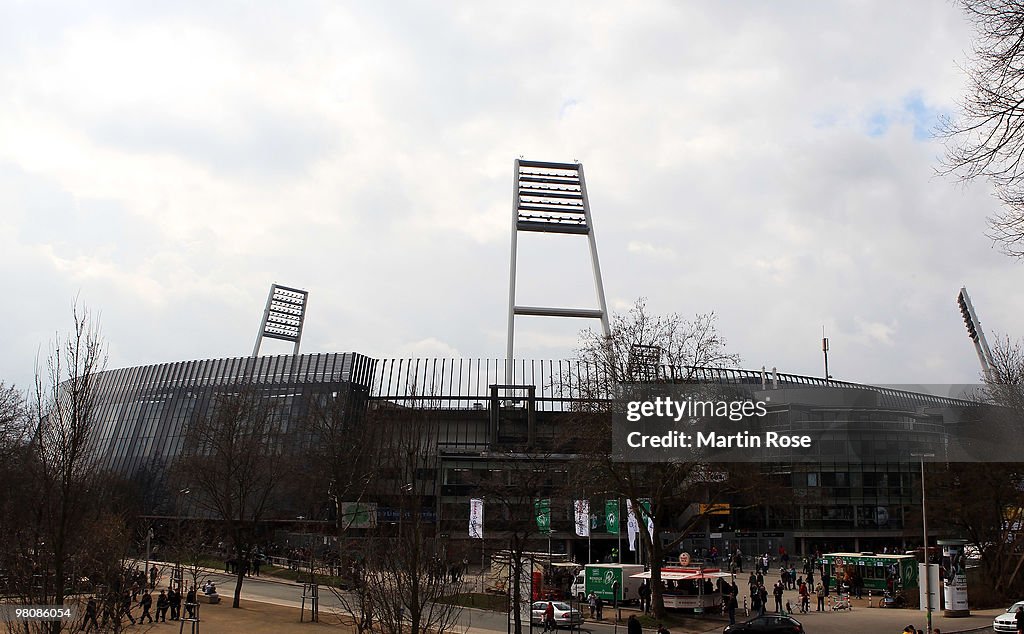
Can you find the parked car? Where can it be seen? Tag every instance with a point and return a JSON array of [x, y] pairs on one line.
[[1007, 621], [767, 624], [565, 616]]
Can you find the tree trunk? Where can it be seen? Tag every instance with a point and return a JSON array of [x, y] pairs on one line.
[[239, 574], [657, 600]]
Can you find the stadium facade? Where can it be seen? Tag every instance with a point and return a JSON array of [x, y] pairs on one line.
[[842, 502]]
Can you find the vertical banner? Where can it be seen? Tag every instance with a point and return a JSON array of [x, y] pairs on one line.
[[476, 518], [645, 504], [582, 518], [632, 525], [611, 516], [542, 510]]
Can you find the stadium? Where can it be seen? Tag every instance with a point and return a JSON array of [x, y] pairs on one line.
[[491, 412]]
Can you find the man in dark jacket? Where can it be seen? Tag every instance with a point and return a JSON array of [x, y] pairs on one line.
[[89, 621], [644, 592], [161, 607], [633, 625], [174, 602], [126, 606], [190, 603], [146, 602]]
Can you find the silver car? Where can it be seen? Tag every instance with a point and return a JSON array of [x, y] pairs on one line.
[[565, 616], [1007, 621]]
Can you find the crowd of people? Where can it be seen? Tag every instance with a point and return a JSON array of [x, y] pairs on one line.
[[140, 601], [811, 581]]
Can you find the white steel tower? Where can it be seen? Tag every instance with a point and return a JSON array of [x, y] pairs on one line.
[[551, 198]]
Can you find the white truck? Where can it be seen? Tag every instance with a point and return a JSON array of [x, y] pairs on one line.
[[598, 578]]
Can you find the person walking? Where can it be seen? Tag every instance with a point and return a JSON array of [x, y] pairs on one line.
[[161, 607], [633, 625], [126, 607], [110, 606], [154, 572], [592, 602], [89, 620], [730, 606], [600, 608], [146, 602], [777, 591], [549, 617], [368, 614], [644, 593]]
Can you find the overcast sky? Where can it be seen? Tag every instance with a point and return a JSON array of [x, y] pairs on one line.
[[771, 162]]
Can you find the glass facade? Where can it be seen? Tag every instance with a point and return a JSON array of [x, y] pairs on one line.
[[482, 433]]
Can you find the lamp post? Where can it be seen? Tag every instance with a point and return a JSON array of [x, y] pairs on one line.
[[178, 574], [924, 525], [149, 539]]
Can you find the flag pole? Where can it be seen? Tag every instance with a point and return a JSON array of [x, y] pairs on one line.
[[618, 529], [590, 530]]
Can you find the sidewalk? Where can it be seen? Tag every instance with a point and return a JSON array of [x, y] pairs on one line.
[[865, 617]]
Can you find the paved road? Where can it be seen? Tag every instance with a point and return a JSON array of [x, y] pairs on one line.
[[862, 619]]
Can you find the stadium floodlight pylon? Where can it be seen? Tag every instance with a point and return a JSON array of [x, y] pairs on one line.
[[974, 331], [283, 316], [551, 198]]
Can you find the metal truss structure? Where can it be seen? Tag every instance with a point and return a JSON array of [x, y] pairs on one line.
[[283, 316], [551, 198]]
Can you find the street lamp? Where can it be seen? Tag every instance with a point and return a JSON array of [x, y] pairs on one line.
[[924, 524], [178, 573], [149, 538]]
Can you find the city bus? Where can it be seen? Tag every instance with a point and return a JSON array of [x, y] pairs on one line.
[[878, 572]]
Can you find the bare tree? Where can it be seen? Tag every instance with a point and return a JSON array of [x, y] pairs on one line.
[[342, 469], [643, 345], [13, 419], [982, 501], [671, 497], [60, 464], [987, 141], [66, 523], [405, 583], [188, 547], [235, 459], [511, 487], [14, 430]]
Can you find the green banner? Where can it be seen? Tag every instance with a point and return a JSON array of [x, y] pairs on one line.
[[542, 509], [611, 515]]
